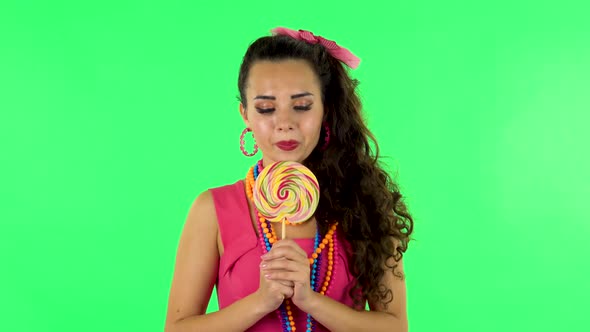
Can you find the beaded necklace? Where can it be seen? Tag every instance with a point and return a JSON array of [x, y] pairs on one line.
[[268, 237]]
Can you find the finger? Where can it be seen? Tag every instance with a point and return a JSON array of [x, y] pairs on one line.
[[296, 277], [286, 252], [289, 243], [284, 264], [280, 289], [287, 283], [289, 293]]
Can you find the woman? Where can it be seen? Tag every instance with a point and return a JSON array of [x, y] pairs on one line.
[[300, 105]]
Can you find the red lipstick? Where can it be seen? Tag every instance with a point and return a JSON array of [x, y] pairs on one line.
[[287, 145]]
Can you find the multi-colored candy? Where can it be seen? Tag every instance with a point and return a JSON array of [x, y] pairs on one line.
[[286, 191]]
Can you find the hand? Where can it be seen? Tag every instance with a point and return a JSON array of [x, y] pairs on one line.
[[286, 261], [272, 293]]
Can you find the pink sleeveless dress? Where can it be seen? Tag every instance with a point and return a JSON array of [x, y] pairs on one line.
[[239, 275]]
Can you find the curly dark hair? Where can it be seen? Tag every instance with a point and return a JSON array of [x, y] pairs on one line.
[[355, 189]]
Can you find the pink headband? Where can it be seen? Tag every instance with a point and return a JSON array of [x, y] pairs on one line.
[[336, 51]]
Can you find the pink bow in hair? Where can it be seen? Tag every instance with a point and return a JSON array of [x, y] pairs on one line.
[[336, 51]]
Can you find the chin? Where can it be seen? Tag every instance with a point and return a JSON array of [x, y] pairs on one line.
[[287, 156]]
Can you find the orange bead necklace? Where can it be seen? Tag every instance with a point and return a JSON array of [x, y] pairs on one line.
[[267, 234]]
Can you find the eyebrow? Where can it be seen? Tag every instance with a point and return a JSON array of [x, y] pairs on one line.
[[299, 95]]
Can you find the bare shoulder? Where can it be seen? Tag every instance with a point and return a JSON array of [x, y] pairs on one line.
[[197, 260], [202, 211], [201, 221]]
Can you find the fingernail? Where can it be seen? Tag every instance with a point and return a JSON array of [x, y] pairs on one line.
[[267, 276], [263, 266]]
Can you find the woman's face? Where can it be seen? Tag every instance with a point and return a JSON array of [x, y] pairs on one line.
[[284, 109]]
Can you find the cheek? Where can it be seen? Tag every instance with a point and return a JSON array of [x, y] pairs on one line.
[[312, 129], [261, 129]]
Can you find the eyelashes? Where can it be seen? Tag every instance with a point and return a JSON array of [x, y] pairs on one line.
[[269, 110]]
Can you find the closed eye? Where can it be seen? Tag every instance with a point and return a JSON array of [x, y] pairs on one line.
[[264, 110], [297, 108], [303, 108]]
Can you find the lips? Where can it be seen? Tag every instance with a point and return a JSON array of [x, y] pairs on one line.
[[287, 145]]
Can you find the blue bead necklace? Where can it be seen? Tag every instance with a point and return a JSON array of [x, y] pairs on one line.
[[315, 270]]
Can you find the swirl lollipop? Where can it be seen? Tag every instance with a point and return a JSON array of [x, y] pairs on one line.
[[286, 190]]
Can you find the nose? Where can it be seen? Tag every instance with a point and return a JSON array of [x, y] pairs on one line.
[[285, 121]]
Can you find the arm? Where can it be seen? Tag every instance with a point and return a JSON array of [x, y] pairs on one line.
[[338, 317], [332, 314], [239, 316], [195, 274]]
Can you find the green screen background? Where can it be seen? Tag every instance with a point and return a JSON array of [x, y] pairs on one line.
[[115, 115]]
